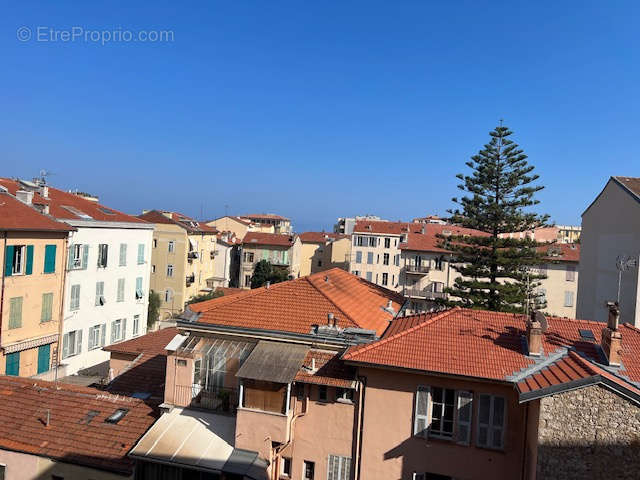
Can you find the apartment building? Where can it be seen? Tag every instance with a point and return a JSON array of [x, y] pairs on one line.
[[182, 259], [345, 225], [322, 251], [282, 251], [560, 288], [226, 262], [554, 233], [270, 223], [107, 273], [610, 249], [238, 225], [32, 258], [375, 250]]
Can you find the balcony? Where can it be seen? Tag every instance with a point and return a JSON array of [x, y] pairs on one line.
[[423, 293], [190, 279], [192, 255], [416, 269], [217, 399]]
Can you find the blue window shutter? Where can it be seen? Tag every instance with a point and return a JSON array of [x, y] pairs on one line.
[[8, 261], [49, 259], [85, 256], [29, 267]]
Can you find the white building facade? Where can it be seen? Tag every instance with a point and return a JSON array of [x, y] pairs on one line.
[[106, 289]]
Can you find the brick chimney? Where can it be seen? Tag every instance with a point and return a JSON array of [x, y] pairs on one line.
[[611, 338], [534, 335]]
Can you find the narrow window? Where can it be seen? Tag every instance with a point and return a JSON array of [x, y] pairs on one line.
[[568, 299], [75, 298], [465, 413], [169, 270], [571, 273], [359, 256], [46, 313], [421, 415], [100, 300], [136, 325], [123, 255], [387, 242], [120, 296], [103, 255], [141, 254], [139, 291], [385, 259], [15, 312], [322, 393], [370, 258], [491, 418], [309, 469], [385, 278], [286, 466], [171, 246], [49, 259]]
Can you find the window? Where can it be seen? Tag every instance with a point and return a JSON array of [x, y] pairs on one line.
[[169, 270], [118, 328], [153, 269], [568, 299], [155, 243], [319, 263], [120, 296], [75, 298], [322, 393], [442, 411], [75, 258], [140, 253], [373, 241], [139, 291], [19, 260], [72, 343], [136, 325], [396, 260], [387, 242], [49, 259], [97, 335], [465, 414], [171, 246], [308, 470], [385, 259], [369, 276], [247, 280], [491, 417], [438, 263], [286, 466], [359, 256], [15, 312], [123, 255], [360, 241], [46, 314], [385, 278], [571, 273], [339, 468], [100, 300], [356, 273], [168, 295], [103, 255], [344, 395], [370, 258], [12, 364]]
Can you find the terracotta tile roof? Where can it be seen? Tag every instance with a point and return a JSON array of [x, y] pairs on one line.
[[330, 370], [630, 183], [320, 237], [297, 305], [189, 224], [264, 216], [15, 215], [147, 371], [69, 206], [70, 436], [489, 345], [271, 239], [561, 252], [429, 240], [382, 227], [229, 291], [399, 324]]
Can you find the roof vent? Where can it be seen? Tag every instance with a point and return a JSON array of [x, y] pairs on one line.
[[25, 196], [116, 416], [586, 335]]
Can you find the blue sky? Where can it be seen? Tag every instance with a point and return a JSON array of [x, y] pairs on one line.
[[316, 110]]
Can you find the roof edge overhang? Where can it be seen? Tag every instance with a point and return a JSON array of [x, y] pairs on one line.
[[106, 224]]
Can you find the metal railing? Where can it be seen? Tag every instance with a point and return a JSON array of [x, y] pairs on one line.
[[218, 399], [423, 293], [415, 268]]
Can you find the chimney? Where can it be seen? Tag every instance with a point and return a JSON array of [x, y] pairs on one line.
[[25, 196], [267, 284], [534, 336], [611, 338], [44, 191], [330, 319]]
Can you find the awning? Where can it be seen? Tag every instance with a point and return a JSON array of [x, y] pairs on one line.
[[273, 362], [28, 344], [198, 440]]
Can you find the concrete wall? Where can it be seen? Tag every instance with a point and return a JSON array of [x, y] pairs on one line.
[[390, 451], [31, 288], [89, 314], [588, 433], [610, 227]]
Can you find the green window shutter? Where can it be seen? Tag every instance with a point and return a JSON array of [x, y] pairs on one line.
[[15, 312], [49, 259], [29, 267], [140, 253], [12, 366], [47, 307], [121, 289], [75, 297], [85, 256], [8, 261], [70, 257]]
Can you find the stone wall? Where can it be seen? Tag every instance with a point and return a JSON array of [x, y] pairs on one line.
[[588, 433]]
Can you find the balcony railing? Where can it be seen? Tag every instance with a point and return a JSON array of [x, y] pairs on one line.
[[218, 399], [191, 278], [416, 269], [425, 293]]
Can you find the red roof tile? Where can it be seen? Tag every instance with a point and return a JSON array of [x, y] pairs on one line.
[[297, 305], [271, 239], [69, 206], [15, 215], [330, 370], [320, 237], [151, 343], [429, 240], [630, 183], [189, 224], [70, 436], [561, 252], [484, 344]]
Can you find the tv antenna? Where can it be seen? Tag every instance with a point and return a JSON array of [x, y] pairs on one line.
[[624, 263]]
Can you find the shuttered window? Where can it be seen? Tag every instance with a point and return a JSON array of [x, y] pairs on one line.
[[75, 297], [49, 259], [47, 307], [359, 256], [465, 414], [123, 255], [338, 468], [421, 417], [72, 343], [571, 273], [139, 291], [120, 296], [100, 300], [103, 255], [136, 325], [568, 299], [15, 312], [491, 420], [140, 253]]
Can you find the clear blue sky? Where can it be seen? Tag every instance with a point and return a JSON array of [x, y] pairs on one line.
[[316, 110]]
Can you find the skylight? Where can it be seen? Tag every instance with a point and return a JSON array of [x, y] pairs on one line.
[[116, 416], [106, 210], [77, 212], [587, 335]]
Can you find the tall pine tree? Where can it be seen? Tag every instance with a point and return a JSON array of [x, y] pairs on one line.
[[496, 273]]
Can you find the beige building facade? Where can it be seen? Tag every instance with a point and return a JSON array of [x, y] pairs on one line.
[[282, 251], [322, 251]]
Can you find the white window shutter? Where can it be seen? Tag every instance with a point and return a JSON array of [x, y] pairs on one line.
[[78, 341], [421, 420], [85, 256], [124, 329], [113, 333], [70, 258], [464, 417], [103, 334], [65, 345]]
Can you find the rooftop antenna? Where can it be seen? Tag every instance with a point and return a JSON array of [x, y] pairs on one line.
[[624, 263], [42, 178]]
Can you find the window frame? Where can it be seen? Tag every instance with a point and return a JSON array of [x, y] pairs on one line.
[[489, 426], [20, 254]]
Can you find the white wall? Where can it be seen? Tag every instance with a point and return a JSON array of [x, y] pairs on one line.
[[89, 314]]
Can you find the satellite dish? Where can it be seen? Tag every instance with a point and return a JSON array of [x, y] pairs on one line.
[[539, 317]]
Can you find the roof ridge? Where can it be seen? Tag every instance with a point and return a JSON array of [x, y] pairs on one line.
[[429, 321], [307, 278]]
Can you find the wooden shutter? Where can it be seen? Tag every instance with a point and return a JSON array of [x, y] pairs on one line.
[[85, 256], [464, 405], [121, 290], [70, 257], [123, 329], [8, 261], [47, 307], [103, 334], [75, 297], [65, 345], [49, 259], [78, 341], [29, 267], [421, 420], [141, 254], [15, 312], [113, 332]]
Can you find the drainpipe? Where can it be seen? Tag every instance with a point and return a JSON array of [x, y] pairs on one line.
[[4, 249], [363, 384], [290, 431], [63, 272], [524, 443]]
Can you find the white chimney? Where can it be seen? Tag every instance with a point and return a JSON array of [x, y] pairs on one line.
[[44, 191], [330, 319], [25, 196]]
